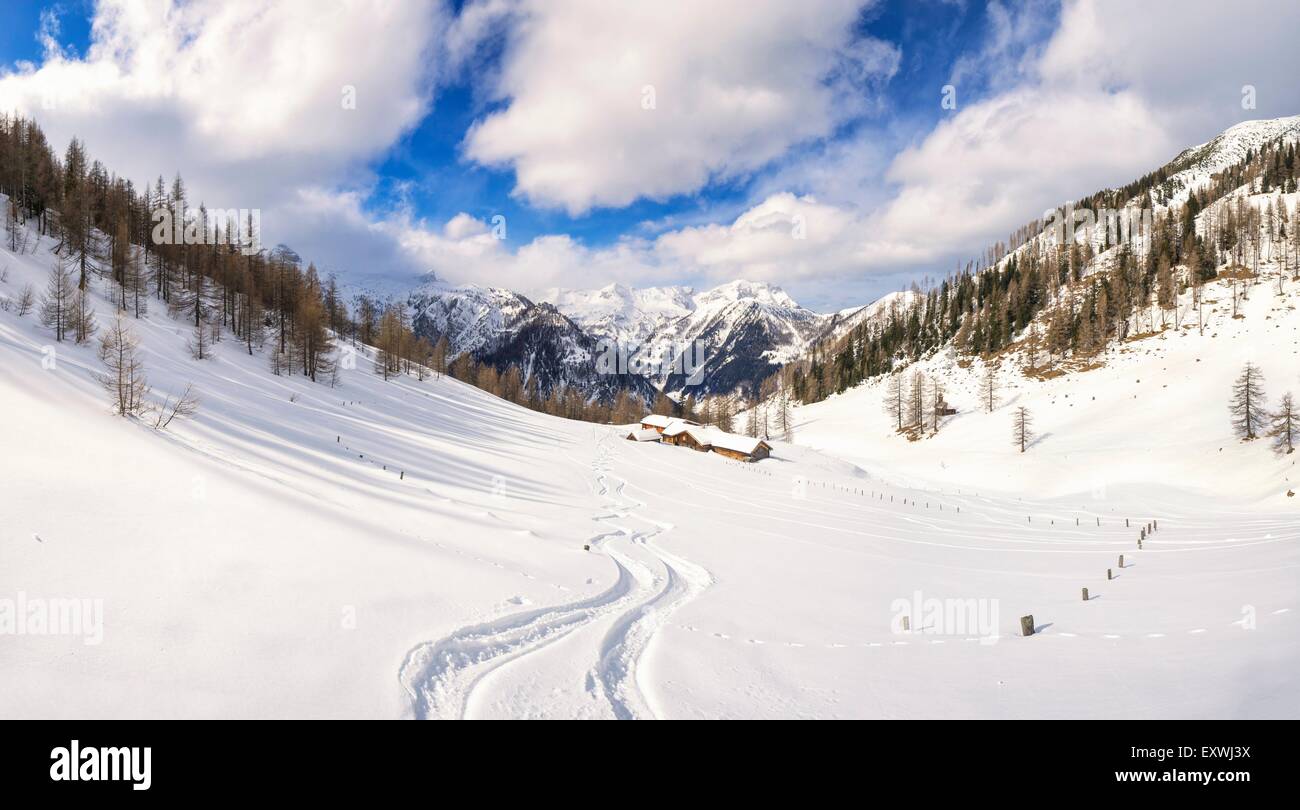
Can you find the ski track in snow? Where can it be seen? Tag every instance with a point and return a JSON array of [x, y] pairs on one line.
[[616, 675], [441, 677]]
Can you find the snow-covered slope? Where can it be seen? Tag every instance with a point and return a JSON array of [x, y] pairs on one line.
[[1194, 166], [416, 549], [1151, 409], [847, 320]]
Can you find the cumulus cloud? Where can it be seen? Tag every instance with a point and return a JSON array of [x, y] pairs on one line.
[[1117, 90], [605, 103], [247, 101], [250, 102]]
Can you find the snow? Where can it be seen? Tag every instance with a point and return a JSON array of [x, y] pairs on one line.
[[416, 549], [729, 441], [622, 313], [657, 420]]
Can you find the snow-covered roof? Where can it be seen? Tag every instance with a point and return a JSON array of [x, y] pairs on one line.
[[657, 420], [702, 435], [645, 435], [676, 426], [731, 441]]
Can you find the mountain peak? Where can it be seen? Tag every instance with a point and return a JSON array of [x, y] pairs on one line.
[[742, 290]]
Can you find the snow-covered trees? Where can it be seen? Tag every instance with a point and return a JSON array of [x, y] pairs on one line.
[[1247, 404], [125, 378], [1284, 427], [1022, 428]]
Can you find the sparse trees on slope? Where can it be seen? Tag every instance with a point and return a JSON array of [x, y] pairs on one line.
[[989, 387], [81, 317], [125, 377], [26, 300], [388, 344], [1284, 427], [311, 341], [895, 403], [1247, 403], [184, 406], [916, 403], [13, 225], [1022, 428], [56, 305], [723, 414], [785, 418], [935, 403]]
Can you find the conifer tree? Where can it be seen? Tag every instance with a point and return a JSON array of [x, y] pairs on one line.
[[1022, 428], [1247, 404], [1284, 427], [57, 303]]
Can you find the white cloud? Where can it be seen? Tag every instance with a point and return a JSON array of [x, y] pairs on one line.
[[1117, 91], [245, 99], [732, 85]]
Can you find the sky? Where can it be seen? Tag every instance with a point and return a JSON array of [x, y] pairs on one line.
[[839, 149]]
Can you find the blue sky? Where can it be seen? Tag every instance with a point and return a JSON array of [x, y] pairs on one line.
[[769, 119], [444, 184]]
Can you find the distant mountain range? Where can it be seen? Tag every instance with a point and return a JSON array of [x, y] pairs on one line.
[[740, 332]]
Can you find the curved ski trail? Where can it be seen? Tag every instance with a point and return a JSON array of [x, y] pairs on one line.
[[617, 675], [440, 677]]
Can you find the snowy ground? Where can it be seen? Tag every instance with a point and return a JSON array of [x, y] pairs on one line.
[[260, 561]]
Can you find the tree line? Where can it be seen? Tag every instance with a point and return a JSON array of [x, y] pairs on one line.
[[1060, 298]]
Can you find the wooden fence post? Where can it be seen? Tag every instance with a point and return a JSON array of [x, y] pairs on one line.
[[1027, 625], [1085, 594]]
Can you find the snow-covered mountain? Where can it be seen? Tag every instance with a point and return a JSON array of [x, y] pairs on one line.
[[846, 320], [1194, 166], [504, 328], [474, 319], [619, 312], [746, 329]]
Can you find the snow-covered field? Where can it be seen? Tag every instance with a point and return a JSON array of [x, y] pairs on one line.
[[415, 549]]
